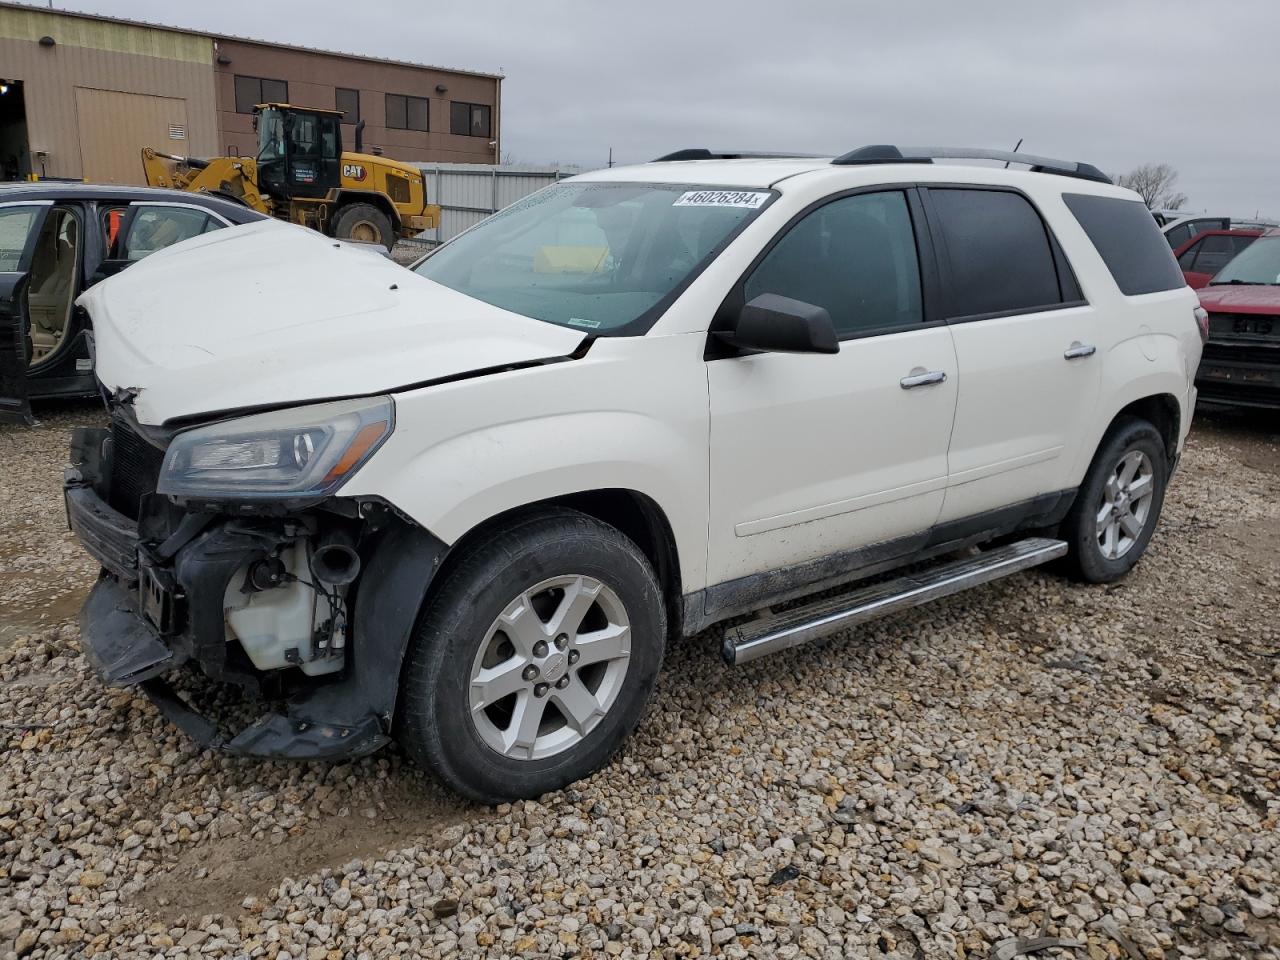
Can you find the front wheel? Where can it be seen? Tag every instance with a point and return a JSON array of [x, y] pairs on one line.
[[1117, 506], [534, 660], [365, 223]]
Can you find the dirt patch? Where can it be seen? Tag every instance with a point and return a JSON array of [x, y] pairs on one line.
[[215, 877], [1251, 436]]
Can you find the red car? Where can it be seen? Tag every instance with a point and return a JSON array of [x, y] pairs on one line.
[[1206, 253], [1241, 360]]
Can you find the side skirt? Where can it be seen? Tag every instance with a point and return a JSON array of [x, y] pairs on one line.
[[734, 598]]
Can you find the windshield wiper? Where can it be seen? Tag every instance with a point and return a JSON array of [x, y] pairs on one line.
[[1238, 283]]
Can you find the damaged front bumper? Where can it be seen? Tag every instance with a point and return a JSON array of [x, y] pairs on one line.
[[159, 605]]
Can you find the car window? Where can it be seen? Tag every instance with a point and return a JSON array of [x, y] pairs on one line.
[[1178, 235], [1128, 241], [1001, 258], [1188, 256], [15, 226], [1259, 264], [1213, 253], [855, 257], [154, 228]]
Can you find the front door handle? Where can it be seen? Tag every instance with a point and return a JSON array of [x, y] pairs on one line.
[[1078, 350], [922, 379]]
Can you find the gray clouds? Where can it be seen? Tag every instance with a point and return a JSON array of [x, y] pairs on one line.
[[1114, 83]]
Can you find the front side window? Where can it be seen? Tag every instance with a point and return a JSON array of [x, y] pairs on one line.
[[154, 228], [15, 227], [999, 251], [854, 257], [1217, 250], [604, 258], [1259, 265]]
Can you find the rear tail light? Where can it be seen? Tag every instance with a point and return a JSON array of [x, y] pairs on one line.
[[1202, 321]]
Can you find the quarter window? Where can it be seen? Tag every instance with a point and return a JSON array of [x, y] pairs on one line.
[[470, 119], [1129, 242], [251, 91], [407, 113], [999, 250], [854, 257]]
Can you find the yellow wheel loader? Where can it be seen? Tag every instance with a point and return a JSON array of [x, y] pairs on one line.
[[302, 174]]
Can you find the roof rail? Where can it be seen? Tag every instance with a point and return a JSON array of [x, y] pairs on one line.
[[702, 153], [888, 153]]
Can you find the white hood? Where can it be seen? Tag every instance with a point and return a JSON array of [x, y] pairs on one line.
[[270, 313]]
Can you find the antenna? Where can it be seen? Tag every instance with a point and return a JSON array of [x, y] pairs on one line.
[[1015, 150]]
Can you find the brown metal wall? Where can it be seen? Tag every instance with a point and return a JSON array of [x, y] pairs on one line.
[[313, 77], [104, 56]]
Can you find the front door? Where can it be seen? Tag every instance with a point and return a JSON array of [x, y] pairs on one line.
[[819, 456], [1026, 346], [19, 226]]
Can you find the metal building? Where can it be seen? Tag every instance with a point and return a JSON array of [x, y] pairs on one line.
[[81, 95]]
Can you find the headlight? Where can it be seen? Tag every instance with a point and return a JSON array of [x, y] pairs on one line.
[[299, 452]]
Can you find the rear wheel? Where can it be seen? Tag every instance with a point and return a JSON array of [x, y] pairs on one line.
[[1117, 507], [365, 223], [534, 660]]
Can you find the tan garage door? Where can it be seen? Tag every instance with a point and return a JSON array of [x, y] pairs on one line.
[[115, 126]]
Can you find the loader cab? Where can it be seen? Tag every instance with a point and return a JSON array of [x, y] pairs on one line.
[[299, 150]]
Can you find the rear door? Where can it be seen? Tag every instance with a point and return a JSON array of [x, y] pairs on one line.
[[1026, 345], [20, 222]]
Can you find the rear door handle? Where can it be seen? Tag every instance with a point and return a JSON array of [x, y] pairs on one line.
[[1079, 350], [922, 379]]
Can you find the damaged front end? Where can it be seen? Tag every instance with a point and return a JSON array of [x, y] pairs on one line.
[[225, 546]]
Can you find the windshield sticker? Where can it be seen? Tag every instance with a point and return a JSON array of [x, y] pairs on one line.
[[749, 199], [579, 322]]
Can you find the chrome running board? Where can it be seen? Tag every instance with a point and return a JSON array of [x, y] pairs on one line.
[[757, 638]]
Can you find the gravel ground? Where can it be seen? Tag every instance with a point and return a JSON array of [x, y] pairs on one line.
[[1034, 758]]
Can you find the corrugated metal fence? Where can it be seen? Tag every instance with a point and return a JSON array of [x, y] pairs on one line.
[[469, 192]]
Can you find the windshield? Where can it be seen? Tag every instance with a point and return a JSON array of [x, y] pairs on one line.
[[602, 257], [1259, 263], [270, 135]]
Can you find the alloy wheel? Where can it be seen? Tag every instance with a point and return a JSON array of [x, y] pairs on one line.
[[1126, 504], [550, 667]]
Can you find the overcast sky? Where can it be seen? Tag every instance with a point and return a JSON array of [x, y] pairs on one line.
[[1114, 83]]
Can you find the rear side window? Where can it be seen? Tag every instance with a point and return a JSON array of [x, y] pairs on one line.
[[1000, 254], [1128, 241]]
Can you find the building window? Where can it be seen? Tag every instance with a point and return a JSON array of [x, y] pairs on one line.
[[348, 104], [251, 91], [407, 113], [470, 119]]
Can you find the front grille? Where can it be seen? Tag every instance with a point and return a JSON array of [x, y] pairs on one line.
[[135, 468]]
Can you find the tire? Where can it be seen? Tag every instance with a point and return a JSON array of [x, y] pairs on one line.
[[1092, 555], [364, 222], [479, 624]]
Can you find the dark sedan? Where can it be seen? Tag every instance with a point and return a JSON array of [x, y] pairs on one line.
[[58, 239]]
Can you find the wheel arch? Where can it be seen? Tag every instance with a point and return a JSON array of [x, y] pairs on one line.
[[634, 514]]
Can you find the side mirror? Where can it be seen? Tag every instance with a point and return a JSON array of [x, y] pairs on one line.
[[775, 324]]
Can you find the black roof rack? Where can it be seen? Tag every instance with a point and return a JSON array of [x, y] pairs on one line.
[[888, 153], [702, 153]]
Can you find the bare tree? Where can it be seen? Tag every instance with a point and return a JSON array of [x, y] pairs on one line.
[[1154, 182]]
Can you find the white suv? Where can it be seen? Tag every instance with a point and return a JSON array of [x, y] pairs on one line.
[[467, 505]]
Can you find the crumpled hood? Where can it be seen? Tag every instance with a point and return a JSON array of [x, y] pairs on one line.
[[270, 313], [1225, 298]]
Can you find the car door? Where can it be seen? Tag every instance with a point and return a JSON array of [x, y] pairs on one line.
[[1026, 351], [20, 223], [1186, 260], [826, 459]]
